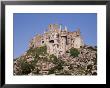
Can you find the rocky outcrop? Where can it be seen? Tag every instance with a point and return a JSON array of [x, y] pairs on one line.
[[44, 64]]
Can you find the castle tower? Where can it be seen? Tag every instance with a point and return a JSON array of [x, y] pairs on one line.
[[78, 42], [63, 41], [66, 28], [63, 45]]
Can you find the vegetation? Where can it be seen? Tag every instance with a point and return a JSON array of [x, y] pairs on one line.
[[53, 58], [52, 70], [74, 52], [37, 51], [26, 67], [58, 62], [31, 62], [36, 71]]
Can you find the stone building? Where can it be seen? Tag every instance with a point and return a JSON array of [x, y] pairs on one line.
[[57, 39]]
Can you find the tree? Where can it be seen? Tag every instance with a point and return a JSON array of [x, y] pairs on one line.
[[26, 67], [74, 52]]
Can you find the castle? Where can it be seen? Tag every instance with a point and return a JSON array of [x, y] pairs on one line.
[[57, 39]]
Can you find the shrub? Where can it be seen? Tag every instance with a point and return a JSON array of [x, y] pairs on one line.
[[74, 52], [26, 67], [59, 66], [53, 58], [52, 70], [36, 71], [37, 51]]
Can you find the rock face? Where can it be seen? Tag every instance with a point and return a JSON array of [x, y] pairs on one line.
[[38, 62]]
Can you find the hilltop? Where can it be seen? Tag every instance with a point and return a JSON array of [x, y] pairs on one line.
[[36, 61], [58, 52]]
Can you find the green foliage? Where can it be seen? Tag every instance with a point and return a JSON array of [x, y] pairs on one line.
[[41, 50], [53, 58], [26, 67], [40, 56], [58, 62], [59, 66], [74, 52], [37, 51], [36, 71], [52, 70]]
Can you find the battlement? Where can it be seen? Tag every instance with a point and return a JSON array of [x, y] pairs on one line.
[[53, 27], [63, 33]]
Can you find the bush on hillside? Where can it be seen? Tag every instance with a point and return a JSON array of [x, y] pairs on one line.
[[37, 51], [74, 52], [26, 67], [53, 58]]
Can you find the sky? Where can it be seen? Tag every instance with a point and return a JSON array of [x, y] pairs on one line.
[[27, 25]]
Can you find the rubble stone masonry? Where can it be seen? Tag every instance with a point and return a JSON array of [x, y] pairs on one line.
[[57, 39]]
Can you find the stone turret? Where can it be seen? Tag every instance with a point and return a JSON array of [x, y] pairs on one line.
[[78, 43], [53, 27], [66, 28]]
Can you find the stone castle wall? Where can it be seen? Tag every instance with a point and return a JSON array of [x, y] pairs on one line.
[[58, 40]]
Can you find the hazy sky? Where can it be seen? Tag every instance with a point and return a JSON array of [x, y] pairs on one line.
[[26, 25]]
